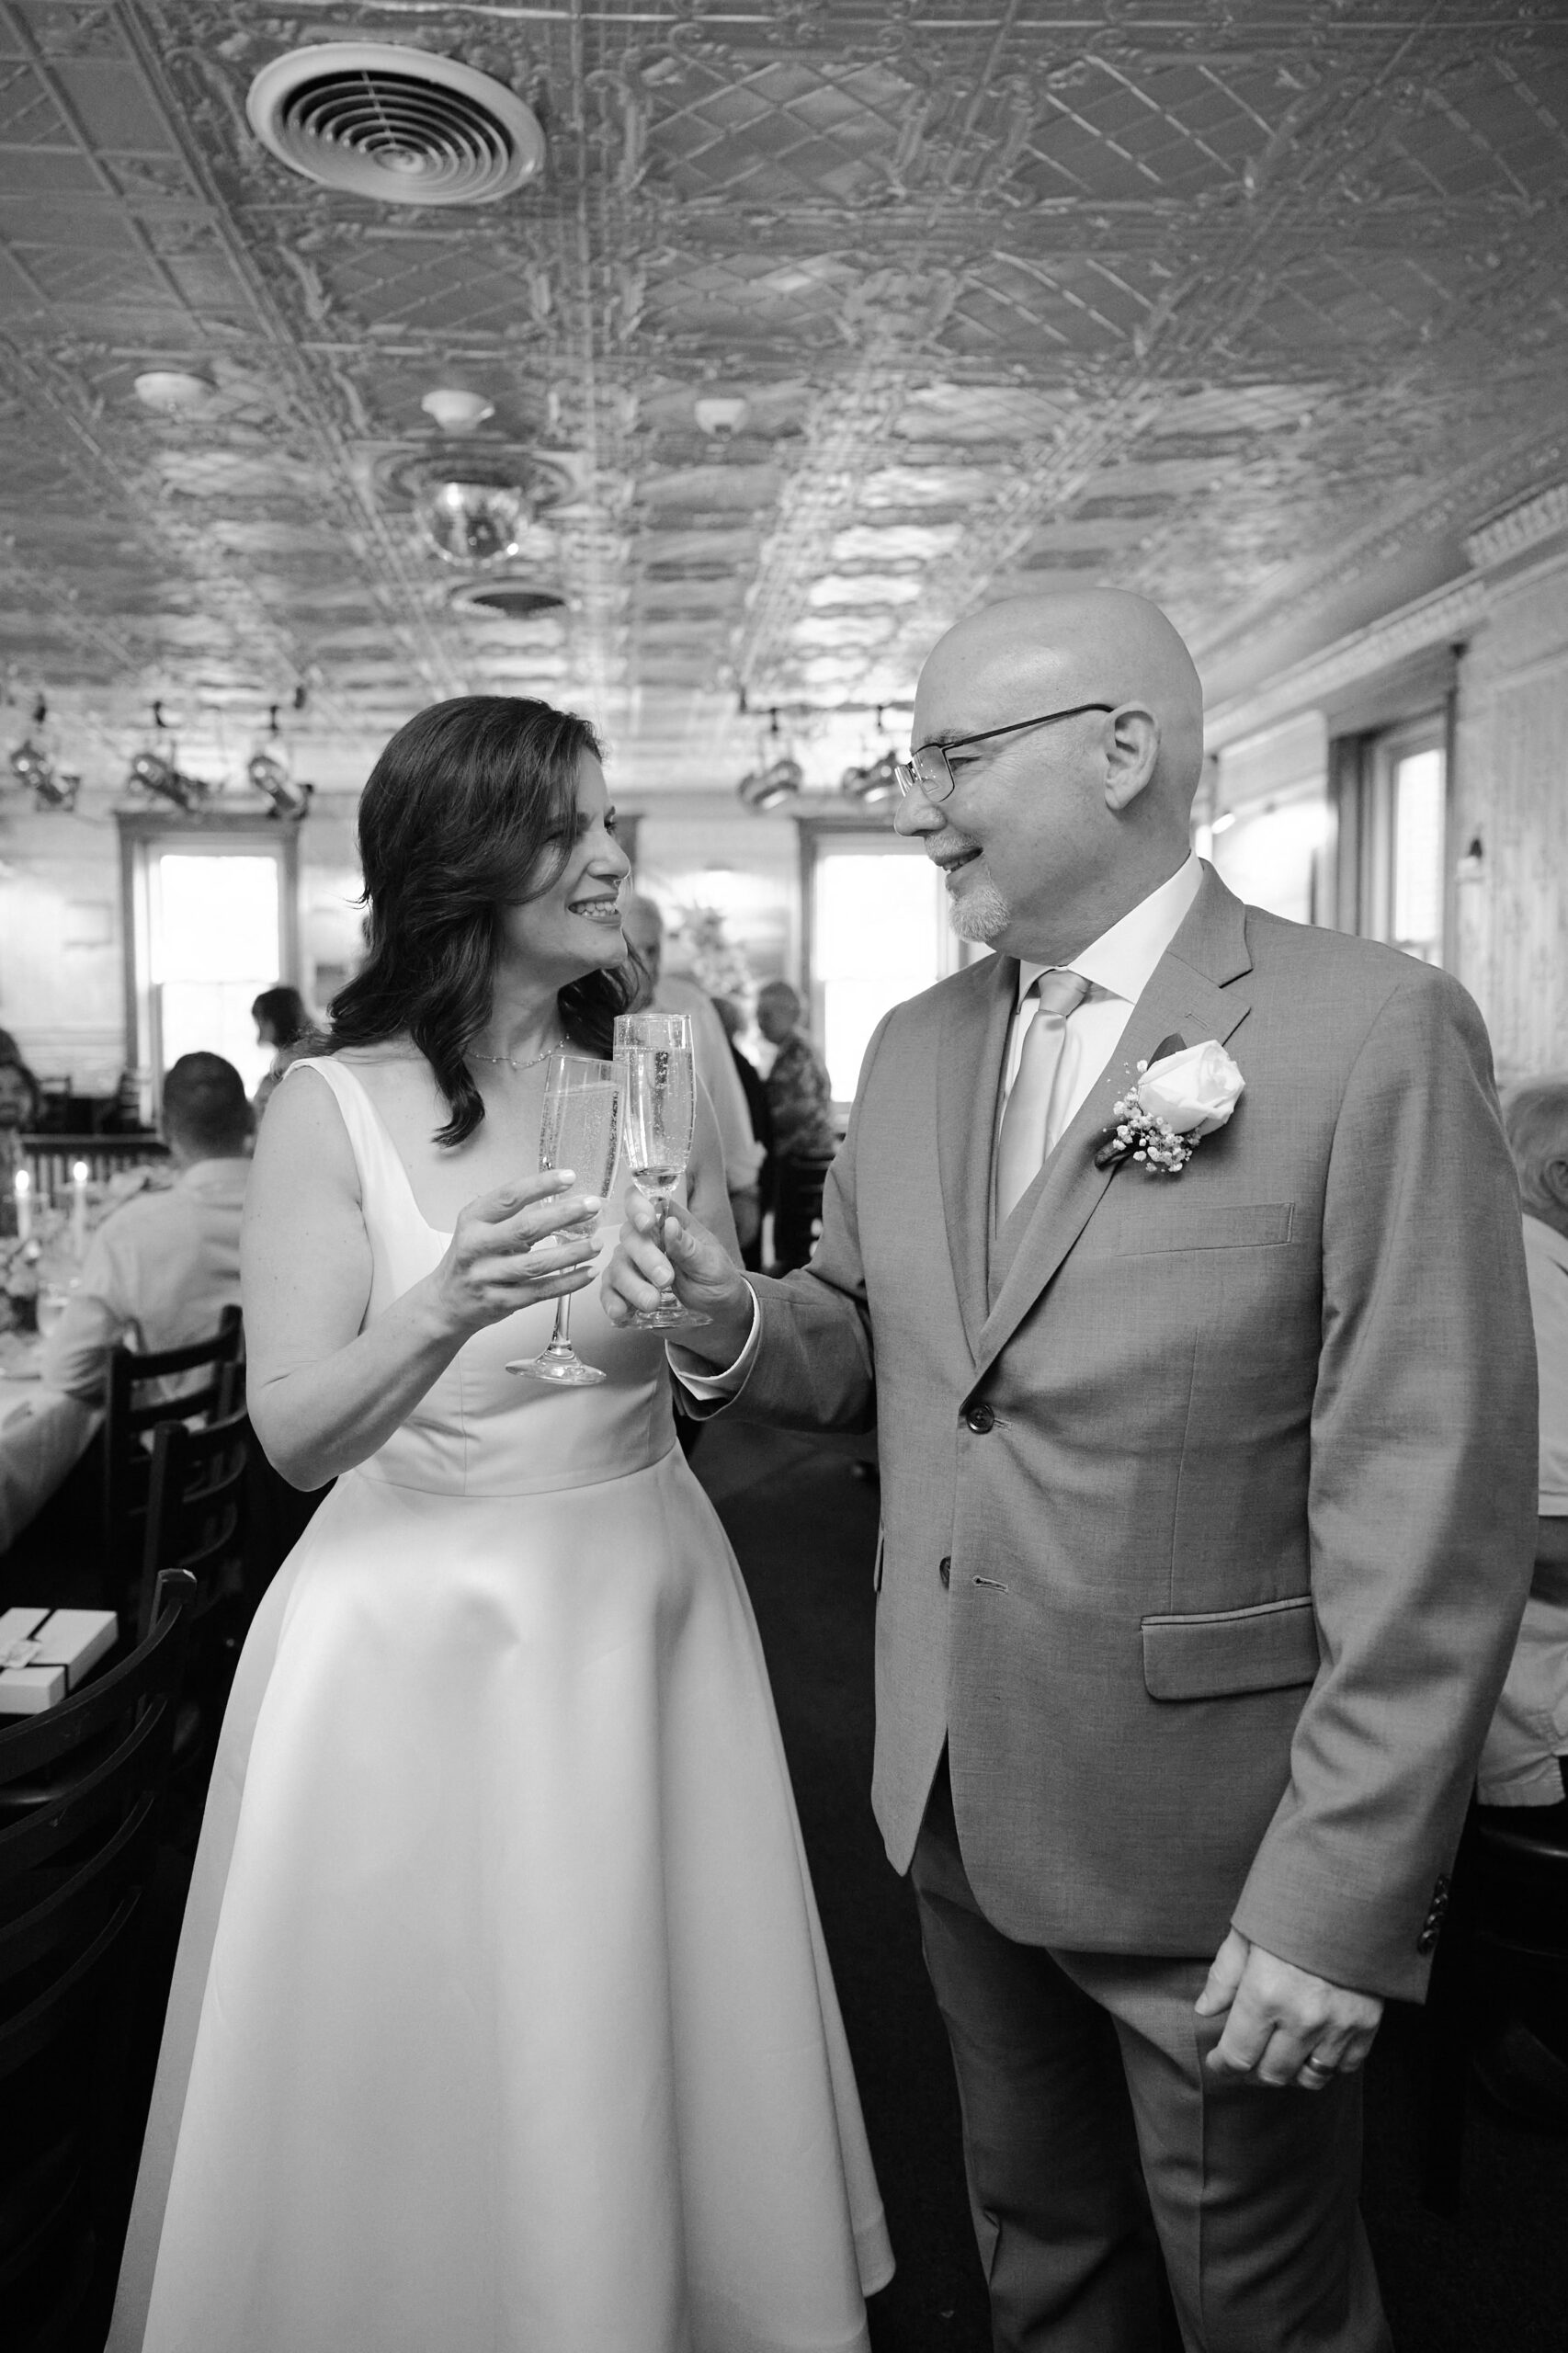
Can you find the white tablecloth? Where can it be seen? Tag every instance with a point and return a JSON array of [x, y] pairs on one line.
[[43, 1434]]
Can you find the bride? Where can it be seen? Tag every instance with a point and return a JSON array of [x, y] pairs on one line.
[[501, 2021]]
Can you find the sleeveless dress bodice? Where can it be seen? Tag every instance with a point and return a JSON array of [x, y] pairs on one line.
[[502, 2020], [482, 1430]]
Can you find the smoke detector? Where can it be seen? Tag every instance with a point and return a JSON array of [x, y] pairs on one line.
[[174, 390], [401, 125], [720, 415]]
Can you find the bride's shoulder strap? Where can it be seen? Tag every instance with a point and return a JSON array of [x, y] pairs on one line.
[[366, 1132]]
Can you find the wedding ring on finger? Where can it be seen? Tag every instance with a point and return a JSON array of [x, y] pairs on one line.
[[1318, 2071]]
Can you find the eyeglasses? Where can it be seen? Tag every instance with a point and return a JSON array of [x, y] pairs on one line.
[[927, 769]]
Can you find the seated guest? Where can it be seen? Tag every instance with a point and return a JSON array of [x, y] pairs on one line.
[[283, 1022], [674, 992], [160, 1269], [1525, 1762], [20, 1098], [799, 1104], [19, 1101]]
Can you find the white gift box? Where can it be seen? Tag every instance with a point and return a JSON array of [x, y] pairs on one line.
[[47, 1653], [28, 1690]]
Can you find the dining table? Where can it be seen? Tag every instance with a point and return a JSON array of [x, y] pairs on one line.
[[44, 1433]]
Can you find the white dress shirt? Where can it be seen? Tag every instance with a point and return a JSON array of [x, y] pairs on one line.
[[158, 1274], [1120, 965]]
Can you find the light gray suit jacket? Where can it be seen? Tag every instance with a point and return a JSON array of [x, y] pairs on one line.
[[1209, 1500]]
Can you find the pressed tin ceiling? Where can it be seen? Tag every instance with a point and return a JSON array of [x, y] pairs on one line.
[[1256, 305]]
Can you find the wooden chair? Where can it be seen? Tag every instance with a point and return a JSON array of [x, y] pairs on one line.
[[1504, 1955], [81, 1790], [198, 1514], [129, 1416]]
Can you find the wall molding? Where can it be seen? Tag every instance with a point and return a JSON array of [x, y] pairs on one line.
[[1434, 620], [1522, 527]]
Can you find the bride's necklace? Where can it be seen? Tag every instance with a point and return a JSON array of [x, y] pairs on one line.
[[532, 1064]]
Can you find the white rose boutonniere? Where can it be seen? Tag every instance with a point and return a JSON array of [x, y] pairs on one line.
[[1178, 1099]]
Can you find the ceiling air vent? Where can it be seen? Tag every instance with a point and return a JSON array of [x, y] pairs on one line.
[[514, 599], [397, 124]]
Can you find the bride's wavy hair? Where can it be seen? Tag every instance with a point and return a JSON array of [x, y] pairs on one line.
[[470, 809]]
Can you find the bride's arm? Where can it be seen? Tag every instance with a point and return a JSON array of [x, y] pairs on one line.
[[322, 1393]]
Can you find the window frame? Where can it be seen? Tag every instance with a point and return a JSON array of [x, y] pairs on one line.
[[144, 833]]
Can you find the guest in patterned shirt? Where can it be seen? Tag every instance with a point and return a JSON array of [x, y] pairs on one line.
[[800, 1101]]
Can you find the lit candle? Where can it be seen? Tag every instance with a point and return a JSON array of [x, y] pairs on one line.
[[79, 1172], [24, 1205]]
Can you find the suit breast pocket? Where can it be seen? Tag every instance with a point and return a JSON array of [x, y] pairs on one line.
[[1213, 1225]]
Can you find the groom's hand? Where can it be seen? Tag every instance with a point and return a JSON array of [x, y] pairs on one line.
[[1285, 2025], [705, 1276]]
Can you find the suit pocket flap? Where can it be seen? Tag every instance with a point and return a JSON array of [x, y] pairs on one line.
[[1223, 1651], [1220, 1226]]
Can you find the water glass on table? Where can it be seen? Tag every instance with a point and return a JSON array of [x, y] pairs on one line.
[[652, 1053], [581, 1130]]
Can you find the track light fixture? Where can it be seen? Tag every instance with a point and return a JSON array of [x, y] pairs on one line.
[[156, 771], [775, 781], [270, 770], [34, 767]]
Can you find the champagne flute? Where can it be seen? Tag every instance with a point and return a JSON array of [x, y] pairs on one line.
[[581, 1130], [654, 1051]]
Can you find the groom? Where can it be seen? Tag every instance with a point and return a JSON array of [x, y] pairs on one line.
[[1209, 1496]]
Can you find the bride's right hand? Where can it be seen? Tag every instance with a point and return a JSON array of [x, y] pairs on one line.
[[492, 1267]]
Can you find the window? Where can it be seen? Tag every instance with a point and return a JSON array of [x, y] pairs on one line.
[[211, 927], [1416, 795], [1393, 816], [876, 932]]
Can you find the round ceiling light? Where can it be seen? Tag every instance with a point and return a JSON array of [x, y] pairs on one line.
[[401, 125]]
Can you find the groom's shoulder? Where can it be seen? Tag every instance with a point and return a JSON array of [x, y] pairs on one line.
[[1314, 972]]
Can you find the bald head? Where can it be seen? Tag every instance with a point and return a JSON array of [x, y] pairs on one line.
[[1073, 727], [1091, 645]]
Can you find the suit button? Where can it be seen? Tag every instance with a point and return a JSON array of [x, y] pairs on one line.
[[945, 1569], [981, 1418]]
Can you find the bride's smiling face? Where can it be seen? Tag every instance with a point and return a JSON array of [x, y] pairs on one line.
[[574, 927]]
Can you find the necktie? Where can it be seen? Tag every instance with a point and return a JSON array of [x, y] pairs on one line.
[[1026, 1122]]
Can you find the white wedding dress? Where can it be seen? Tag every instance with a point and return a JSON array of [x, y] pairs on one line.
[[501, 2021]]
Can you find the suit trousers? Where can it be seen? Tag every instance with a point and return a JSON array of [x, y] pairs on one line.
[[1096, 2142]]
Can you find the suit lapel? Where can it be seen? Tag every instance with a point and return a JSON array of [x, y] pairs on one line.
[[1195, 990], [969, 1079]]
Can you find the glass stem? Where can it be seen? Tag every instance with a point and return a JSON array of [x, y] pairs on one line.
[[561, 1337], [662, 1203]]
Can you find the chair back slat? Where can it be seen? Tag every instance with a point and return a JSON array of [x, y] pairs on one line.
[[127, 1459], [62, 1816], [196, 1510], [82, 1898]]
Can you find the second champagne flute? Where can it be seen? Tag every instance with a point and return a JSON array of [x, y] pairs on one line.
[[653, 1051], [581, 1130]]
